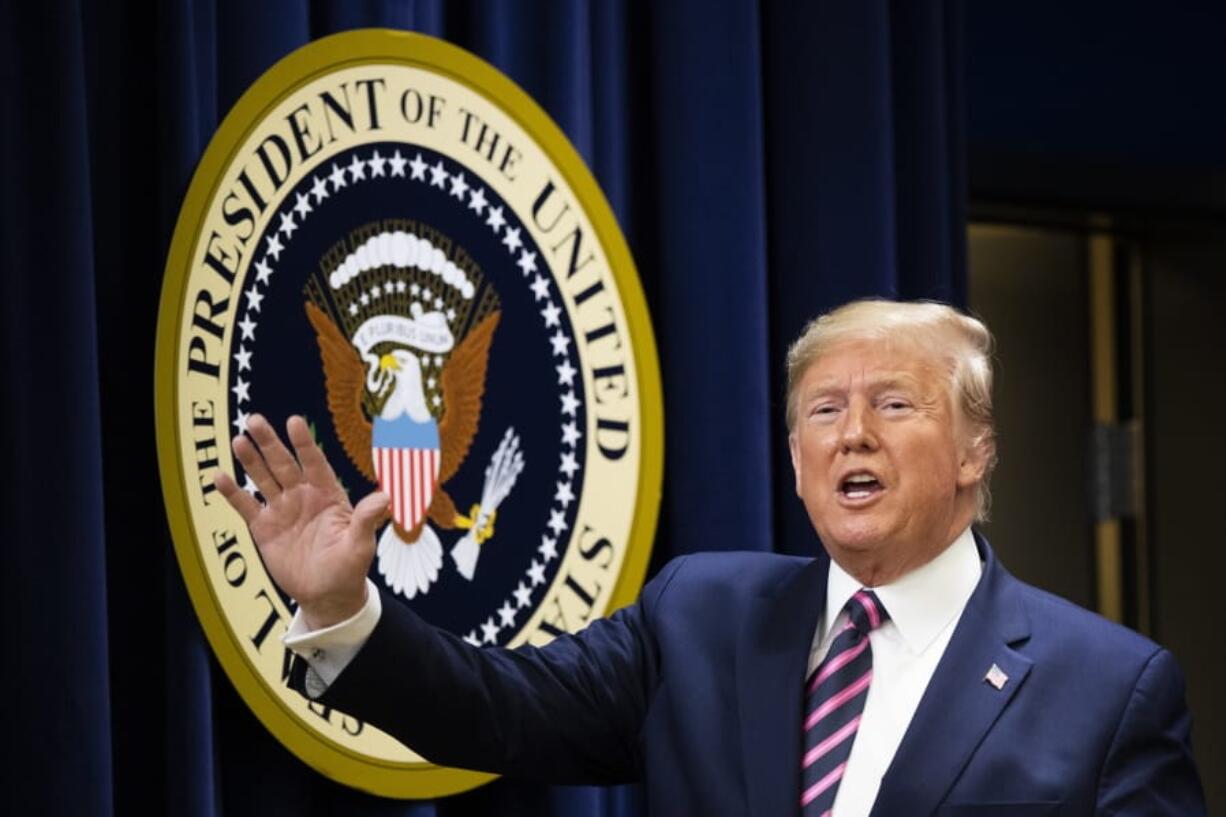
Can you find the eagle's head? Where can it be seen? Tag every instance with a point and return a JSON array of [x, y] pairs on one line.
[[400, 390]]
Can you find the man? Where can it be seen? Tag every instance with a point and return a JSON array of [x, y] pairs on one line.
[[908, 674]]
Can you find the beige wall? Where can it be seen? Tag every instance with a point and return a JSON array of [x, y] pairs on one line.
[[1029, 286]]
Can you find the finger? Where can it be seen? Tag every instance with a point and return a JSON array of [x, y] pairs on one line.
[[246, 505], [371, 512], [315, 466], [282, 463], [253, 463]]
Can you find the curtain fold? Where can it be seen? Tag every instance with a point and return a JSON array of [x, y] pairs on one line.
[[55, 592], [709, 273], [766, 161]]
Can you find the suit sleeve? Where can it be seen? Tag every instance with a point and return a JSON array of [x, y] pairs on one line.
[[570, 711], [1149, 768]]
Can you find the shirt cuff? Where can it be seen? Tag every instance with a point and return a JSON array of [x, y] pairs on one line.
[[329, 650]]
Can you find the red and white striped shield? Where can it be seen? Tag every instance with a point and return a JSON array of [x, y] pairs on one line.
[[409, 477]]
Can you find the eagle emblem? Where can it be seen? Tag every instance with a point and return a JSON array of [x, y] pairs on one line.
[[405, 395]]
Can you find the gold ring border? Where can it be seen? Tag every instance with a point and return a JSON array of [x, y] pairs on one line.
[[287, 75]]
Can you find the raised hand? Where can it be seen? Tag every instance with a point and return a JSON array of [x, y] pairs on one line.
[[316, 545]]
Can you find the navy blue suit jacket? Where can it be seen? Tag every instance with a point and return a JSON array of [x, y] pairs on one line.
[[696, 690]]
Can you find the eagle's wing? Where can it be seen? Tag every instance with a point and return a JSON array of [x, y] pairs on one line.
[[463, 387], [346, 379]]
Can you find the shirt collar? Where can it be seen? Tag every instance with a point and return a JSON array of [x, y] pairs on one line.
[[920, 603]]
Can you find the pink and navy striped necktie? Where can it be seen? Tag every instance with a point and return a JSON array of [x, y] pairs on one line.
[[834, 699]]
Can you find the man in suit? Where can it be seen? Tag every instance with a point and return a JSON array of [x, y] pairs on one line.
[[907, 674]]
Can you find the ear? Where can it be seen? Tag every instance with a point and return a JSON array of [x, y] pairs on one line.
[[975, 458], [794, 448]]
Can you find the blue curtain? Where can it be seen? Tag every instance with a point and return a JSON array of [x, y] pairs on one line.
[[765, 160]]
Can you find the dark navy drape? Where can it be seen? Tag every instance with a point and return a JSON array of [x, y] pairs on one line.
[[765, 160]]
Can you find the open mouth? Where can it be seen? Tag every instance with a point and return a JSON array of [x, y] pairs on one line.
[[860, 486]]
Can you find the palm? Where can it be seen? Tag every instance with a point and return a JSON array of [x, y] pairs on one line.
[[316, 545], [302, 535]]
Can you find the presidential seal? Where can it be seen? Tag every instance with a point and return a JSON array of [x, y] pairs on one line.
[[391, 239]]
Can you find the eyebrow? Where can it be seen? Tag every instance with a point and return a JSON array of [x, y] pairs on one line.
[[877, 384]]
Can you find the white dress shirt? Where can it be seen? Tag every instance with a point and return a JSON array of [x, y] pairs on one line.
[[924, 607], [328, 651]]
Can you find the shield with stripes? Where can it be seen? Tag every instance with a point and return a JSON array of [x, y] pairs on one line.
[[406, 473]]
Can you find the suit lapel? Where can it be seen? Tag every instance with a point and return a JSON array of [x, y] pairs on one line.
[[772, 654], [960, 704]]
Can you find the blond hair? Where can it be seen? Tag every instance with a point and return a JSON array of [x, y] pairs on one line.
[[961, 341]]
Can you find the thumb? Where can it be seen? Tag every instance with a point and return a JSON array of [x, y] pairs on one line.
[[370, 513]]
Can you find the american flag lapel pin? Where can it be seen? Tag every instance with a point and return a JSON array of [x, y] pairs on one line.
[[996, 677]]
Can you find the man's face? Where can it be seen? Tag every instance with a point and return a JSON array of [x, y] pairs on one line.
[[881, 459]]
